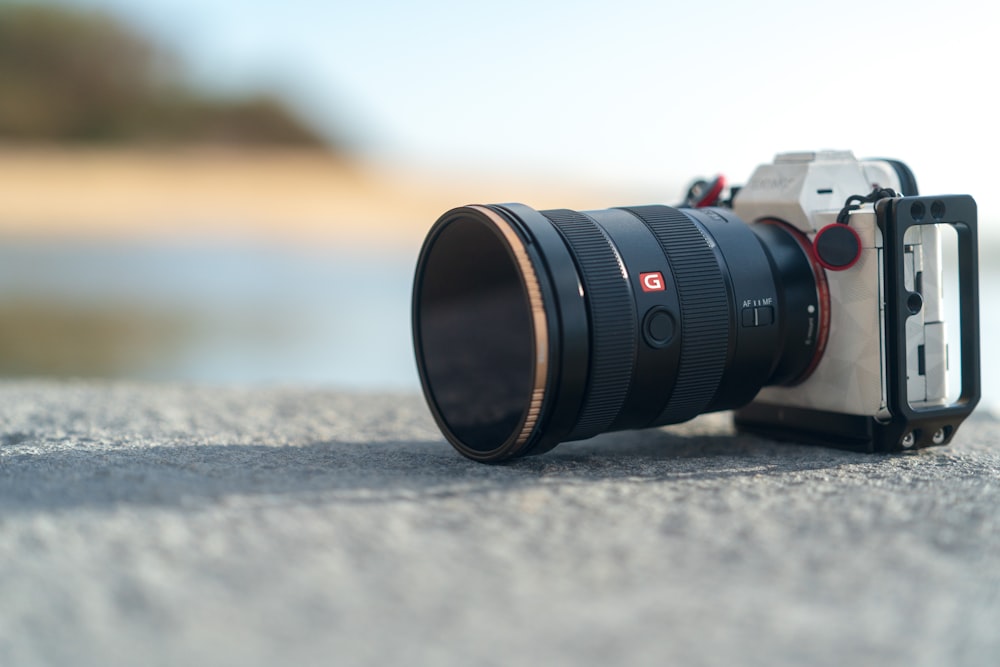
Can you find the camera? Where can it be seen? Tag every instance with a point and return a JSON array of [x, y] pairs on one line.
[[811, 301]]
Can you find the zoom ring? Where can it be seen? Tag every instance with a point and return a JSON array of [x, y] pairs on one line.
[[705, 313], [612, 321]]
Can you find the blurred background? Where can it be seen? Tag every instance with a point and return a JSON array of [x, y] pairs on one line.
[[235, 191]]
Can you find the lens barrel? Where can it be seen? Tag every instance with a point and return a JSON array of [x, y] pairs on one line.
[[534, 328]]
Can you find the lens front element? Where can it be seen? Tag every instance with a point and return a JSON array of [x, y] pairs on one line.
[[477, 333]]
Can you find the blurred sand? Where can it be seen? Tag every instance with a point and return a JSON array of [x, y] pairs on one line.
[[308, 196]]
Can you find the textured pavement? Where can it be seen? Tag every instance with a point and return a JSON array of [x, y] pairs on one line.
[[168, 525]]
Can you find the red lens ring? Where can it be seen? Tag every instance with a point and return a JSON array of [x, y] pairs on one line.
[[822, 293]]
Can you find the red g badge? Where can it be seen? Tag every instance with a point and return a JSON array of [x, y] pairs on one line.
[[652, 281]]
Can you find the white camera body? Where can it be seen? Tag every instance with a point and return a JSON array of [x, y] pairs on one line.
[[808, 191]]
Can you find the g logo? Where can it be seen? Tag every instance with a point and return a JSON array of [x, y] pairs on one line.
[[652, 281]]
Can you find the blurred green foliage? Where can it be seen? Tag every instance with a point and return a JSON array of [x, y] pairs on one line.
[[77, 76]]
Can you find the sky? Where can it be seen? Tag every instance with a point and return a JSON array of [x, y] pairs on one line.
[[629, 93]]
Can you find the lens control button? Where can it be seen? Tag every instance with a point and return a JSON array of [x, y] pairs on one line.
[[658, 327]]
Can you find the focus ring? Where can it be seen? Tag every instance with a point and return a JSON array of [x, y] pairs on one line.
[[613, 321], [705, 313]]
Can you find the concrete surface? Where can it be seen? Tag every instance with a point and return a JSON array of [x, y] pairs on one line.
[[170, 525]]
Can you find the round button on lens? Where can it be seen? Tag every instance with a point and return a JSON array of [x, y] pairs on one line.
[[658, 327]]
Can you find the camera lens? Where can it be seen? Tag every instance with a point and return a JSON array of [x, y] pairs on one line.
[[478, 335], [534, 328]]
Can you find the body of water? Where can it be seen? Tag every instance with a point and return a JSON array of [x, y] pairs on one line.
[[251, 314], [238, 314]]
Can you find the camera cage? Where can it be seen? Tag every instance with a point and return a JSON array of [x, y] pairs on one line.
[[889, 346]]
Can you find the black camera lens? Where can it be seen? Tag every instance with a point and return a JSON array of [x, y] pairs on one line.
[[478, 333], [534, 328]]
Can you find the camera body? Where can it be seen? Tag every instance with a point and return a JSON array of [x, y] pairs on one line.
[[811, 304], [881, 382]]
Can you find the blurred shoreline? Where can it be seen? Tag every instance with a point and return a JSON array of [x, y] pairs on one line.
[[280, 195], [249, 265], [270, 195]]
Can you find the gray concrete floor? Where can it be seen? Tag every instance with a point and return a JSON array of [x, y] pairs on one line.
[[168, 525]]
